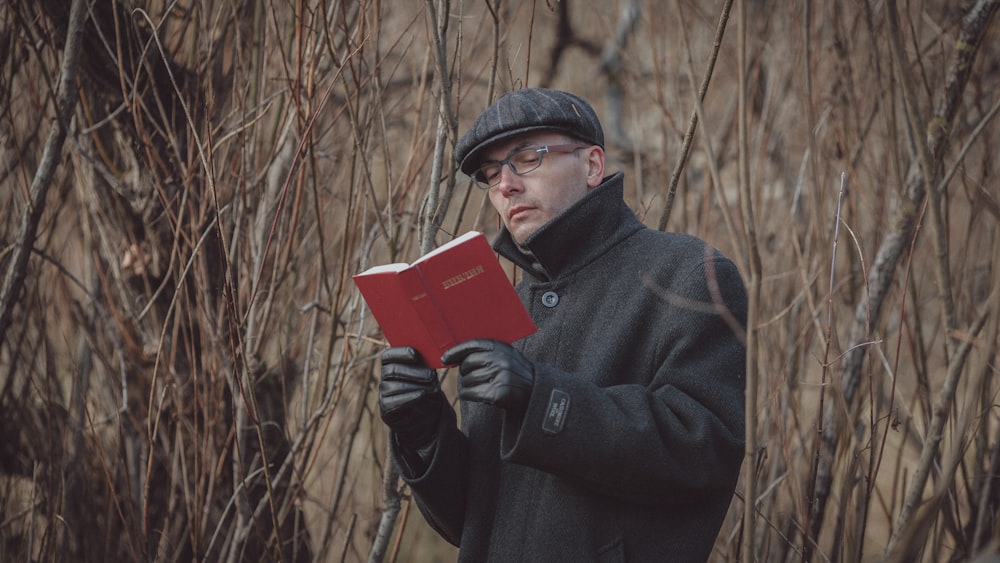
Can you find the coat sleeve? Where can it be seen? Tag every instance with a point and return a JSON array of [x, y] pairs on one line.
[[439, 488], [676, 437]]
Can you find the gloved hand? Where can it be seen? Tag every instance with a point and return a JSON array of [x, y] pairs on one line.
[[492, 372], [410, 398]]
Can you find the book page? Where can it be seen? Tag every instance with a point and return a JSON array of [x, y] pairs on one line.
[[448, 245], [398, 267]]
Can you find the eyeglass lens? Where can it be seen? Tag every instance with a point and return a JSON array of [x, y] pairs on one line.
[[521, 162]]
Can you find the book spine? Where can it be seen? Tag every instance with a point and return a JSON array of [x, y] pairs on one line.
[[423, 303]]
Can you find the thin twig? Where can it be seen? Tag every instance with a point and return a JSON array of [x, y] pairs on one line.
[[65, 99], [675, 176]]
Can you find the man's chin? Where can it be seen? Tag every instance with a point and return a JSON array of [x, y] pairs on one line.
[[522, 233]]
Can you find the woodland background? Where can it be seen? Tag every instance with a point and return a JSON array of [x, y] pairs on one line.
[[187, 372]]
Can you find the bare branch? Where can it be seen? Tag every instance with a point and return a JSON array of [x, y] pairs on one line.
[[65, 104], [868, 313]]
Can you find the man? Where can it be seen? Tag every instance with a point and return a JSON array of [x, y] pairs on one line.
[[614, 433]]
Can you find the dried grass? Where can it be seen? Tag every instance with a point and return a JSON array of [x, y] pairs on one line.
[[187, 373]]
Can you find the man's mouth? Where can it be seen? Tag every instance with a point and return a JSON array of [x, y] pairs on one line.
[[517, 210]]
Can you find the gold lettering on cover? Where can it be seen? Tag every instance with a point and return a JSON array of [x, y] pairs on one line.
[[463, 277]]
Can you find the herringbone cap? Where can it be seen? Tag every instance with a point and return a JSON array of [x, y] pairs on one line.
[[529, 109]]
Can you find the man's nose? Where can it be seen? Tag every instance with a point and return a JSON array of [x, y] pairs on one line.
[[510, 183]]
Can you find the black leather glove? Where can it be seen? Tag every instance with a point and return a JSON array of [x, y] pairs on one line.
[[492, 372], [410, 398]]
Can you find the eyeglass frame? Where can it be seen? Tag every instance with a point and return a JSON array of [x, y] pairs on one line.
[[560, 148]]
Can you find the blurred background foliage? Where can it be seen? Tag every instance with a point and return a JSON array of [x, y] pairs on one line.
[[187, 372]]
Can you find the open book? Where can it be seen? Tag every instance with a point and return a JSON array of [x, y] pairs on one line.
[[454, 293]]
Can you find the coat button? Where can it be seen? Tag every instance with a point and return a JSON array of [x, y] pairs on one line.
[[550, 299]]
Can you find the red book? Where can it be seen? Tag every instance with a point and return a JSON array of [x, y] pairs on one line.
[[454, 293]]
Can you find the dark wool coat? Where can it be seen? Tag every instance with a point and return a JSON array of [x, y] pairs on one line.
[[631, 444]]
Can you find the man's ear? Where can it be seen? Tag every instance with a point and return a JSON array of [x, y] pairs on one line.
[[595, 166]]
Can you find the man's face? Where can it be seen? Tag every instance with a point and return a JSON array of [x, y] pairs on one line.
[[526, 202]]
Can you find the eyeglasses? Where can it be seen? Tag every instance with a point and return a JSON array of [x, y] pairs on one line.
[[520, 162]]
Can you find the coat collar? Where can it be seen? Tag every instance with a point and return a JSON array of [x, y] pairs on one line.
[[575, 237]]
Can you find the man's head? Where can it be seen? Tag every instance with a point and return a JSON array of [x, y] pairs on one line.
[[521, 111], [542, 150]]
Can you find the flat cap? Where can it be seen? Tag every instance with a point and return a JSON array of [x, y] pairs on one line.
[[530, 109]]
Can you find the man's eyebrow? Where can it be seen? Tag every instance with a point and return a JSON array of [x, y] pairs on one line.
[[521, 146]]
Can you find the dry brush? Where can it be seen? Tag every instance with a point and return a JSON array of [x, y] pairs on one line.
[[187, 372]]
